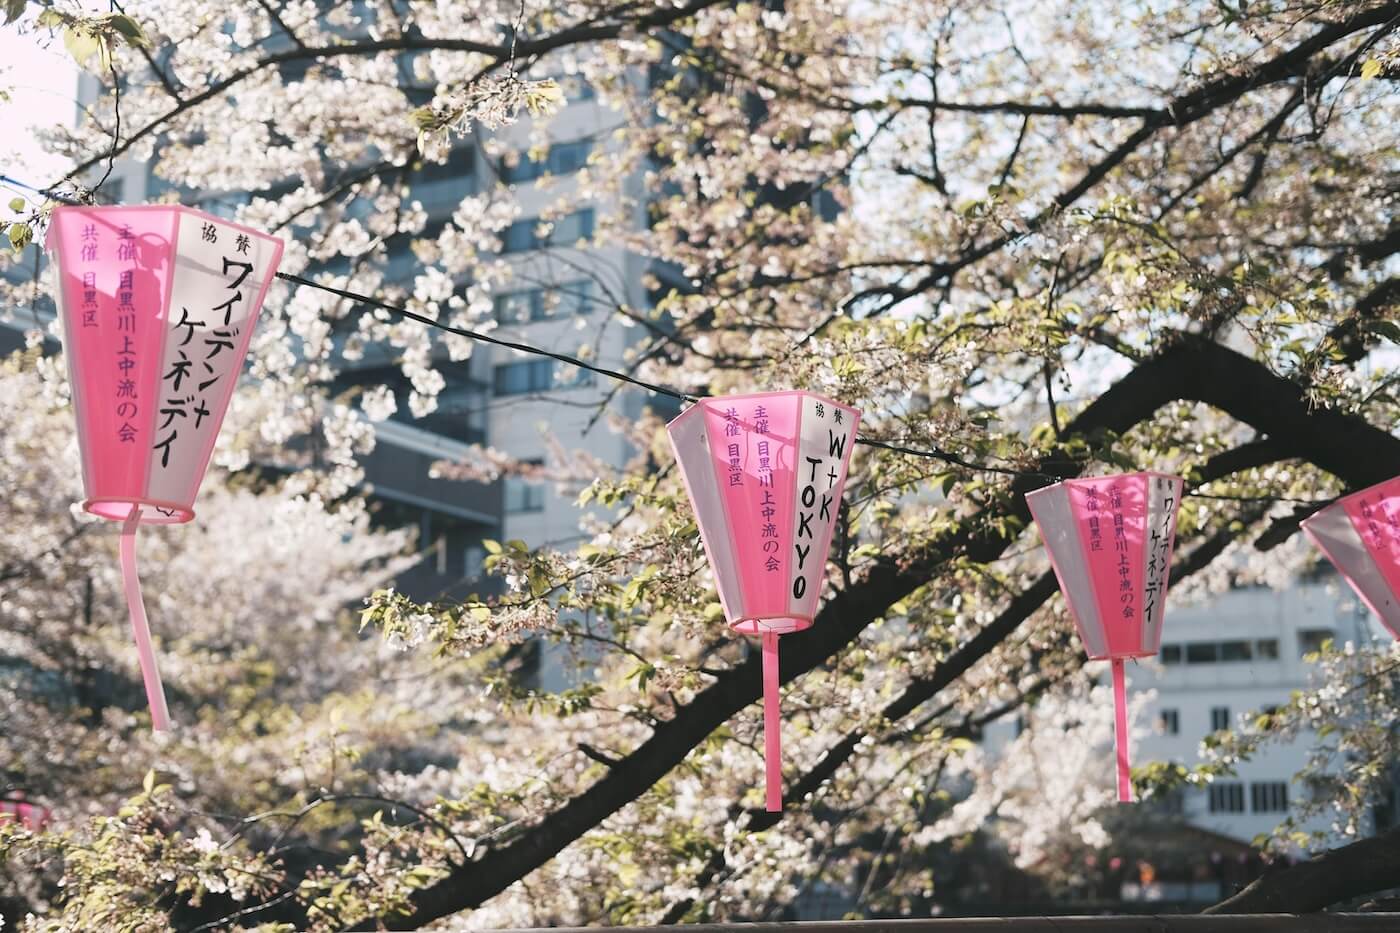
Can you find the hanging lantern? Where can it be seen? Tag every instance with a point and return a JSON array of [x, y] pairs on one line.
[[15, 806], [158, 307], [764, 474], [1360, 534], [1110, 542]]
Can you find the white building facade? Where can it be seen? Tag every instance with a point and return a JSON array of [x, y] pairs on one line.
[[1235, 657]]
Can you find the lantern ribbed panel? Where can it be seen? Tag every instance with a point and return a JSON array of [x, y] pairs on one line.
[[765, 474], [1360, 534], [159, 306], [1110, 541]]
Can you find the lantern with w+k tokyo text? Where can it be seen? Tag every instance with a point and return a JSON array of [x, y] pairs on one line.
[[158, 307], [1110, 541], [765, 474]]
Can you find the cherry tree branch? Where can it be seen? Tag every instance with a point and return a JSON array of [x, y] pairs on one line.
[[660, 17], [1189, 369], [1363, 867]]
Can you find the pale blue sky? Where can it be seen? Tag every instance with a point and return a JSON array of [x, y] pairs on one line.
[[41, 80]]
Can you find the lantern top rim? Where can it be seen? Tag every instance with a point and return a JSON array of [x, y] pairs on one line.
[[1342, 500], [1070, 481], [1119, 655], [700, 403], [164, 208]]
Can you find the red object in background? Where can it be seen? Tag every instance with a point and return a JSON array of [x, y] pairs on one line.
[[32, 816]]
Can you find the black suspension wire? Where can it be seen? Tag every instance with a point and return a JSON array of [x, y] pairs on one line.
[[373, 302], [487, 338], [893, 446]]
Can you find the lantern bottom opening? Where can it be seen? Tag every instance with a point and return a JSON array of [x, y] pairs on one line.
[[770, 625], [1125, 655], [153, 511]]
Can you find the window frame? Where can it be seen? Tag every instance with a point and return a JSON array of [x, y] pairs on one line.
[[1268, 796], [533, 385], [1226, 797]]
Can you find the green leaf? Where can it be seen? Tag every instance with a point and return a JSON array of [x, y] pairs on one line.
[[1371, 68], [130, 30], [21, 235], [17, 204], [81, 43]]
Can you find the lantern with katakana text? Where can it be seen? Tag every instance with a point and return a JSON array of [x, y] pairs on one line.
[[765, 474], [158, 306], [1110, 541], [1360, 534]]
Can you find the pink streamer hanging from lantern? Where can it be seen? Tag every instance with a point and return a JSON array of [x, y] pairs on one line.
[[772, 726], [140, 627], [1120, 733]]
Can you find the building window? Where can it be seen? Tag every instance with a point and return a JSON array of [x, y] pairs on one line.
[[524, 235], [1227, 797], [1266, 649], [1202, 652], [523, 495], [561, 159], [1268, 796], [1171, 803], [1310, 640], [1236, 651], [575, 88], [1171, 654], [440, 186], [515, 307], [1170, 722], [473, 561], [537, 376], [1219, 718], [568, 299]]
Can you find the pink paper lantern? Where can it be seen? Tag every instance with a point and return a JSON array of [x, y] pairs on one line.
[[158, 307], [765, 474], [1360, 534], [1110, 541], [31, 816]]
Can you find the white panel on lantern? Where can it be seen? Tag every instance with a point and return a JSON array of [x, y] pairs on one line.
[[827, 431], [75, 385], [1051, 508], [1163, 501], [208, 330], [1335, 533], [691, 440]]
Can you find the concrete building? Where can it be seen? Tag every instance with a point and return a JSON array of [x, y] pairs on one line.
[[560, 299], [1238, 655]]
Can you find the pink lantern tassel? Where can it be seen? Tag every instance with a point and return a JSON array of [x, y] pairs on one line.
[[772, 724], [140, 628], [1120, 731]]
